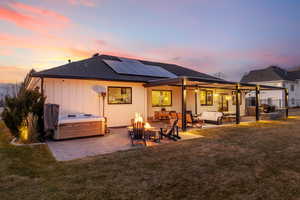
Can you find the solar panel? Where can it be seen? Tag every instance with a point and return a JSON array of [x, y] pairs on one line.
[[135, 67]]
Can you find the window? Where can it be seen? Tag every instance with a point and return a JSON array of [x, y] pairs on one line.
[[292, 88], [293, 101], [161, 98], [234, 98], [119, 95], [206, 97]]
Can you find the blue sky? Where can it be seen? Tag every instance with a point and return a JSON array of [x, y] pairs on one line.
[[228, 36]]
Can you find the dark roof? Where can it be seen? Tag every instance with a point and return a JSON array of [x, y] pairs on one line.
[[96, 68], [295, 74], [271, 73]]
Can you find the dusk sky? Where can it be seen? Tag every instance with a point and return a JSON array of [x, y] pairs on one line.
[[228, 36]]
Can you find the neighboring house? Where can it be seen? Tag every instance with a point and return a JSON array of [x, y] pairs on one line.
[[276, 76], [134, 86]]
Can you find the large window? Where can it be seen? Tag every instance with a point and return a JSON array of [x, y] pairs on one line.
[[119, 95], [161, 98], [206, 97], [234, 98]]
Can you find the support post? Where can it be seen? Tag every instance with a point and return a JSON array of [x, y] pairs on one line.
[[286, 95], [257, 114], [237, 104], [196, 101], [183, 104], [42, 86]]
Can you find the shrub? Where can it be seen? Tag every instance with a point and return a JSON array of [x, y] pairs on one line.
[[17, 110], [11, 115]]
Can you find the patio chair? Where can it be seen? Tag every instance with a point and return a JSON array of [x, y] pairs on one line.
[[171, 132], [137, 133], [173, 115], [156, 115], [163, 115], [189, 120], [193, 122]]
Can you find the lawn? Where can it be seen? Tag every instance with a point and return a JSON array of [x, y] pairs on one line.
[[249, 161]]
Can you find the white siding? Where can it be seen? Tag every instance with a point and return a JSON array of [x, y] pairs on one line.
[[215, 106], [77, 96], [176, 101]]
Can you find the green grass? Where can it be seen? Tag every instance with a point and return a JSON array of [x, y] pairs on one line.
[[249, 161]]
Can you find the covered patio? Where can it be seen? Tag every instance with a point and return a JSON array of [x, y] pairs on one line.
[[195, 84]]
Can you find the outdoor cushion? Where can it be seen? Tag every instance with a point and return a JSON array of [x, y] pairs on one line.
[[210, 116]]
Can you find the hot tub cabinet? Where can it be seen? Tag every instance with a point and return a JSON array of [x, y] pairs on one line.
[[79, 127]]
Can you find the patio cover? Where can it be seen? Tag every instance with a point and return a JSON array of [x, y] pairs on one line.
[[208, 83], [198, 82]]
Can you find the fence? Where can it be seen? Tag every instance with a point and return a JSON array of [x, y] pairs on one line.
[[278, 103]]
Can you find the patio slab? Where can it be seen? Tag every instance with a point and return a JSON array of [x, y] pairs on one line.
[[117, 140], [65, 150]]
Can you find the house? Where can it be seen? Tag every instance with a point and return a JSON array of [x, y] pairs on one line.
[[137, 86], [276, 76]]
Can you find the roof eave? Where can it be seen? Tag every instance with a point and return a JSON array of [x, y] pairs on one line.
[[84, 78]]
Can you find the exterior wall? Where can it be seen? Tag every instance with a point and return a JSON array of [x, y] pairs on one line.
[[34, 82], [294, 96], [176, 101], [77, 96], [215, 106]]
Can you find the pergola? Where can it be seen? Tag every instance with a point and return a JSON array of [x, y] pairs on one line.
[[186, 82]]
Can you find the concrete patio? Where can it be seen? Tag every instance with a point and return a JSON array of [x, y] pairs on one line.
[[117, 140]]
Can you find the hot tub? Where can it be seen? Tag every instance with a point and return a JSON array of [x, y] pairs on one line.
[[81, 125]]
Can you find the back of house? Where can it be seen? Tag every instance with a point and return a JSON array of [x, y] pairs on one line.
[[117, 88]]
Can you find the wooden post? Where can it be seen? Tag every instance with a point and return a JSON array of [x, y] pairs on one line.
[[257, 103], [183, 104], [286, 95], [237, 105]]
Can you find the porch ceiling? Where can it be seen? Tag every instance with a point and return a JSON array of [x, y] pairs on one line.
[[197, 82]]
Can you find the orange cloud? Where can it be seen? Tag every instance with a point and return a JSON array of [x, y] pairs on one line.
[[12, 74], [40, 11], [33, 18], [79, 52]]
